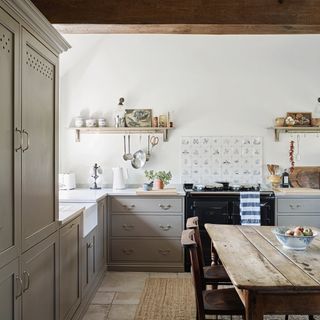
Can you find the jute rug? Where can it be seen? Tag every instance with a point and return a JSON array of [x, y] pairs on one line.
[[174, 299]]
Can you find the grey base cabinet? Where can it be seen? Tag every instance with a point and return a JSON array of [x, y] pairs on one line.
[[10, 291], [70, 268], [144, 233], [93, 250], [303, 211], [40, 279]]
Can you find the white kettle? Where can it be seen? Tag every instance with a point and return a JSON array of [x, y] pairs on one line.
[[120, 176]]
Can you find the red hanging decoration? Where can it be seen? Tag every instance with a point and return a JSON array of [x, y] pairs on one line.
[[291, 156]]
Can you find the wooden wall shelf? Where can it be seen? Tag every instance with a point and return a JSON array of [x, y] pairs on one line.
[[278, 130], [126, 130]]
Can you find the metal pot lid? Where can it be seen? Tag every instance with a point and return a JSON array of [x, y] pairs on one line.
[[214, 185]]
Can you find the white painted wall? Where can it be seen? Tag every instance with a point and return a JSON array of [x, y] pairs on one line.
[[212, 85]]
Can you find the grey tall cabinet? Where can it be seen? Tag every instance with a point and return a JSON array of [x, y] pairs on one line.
[[29, 242]]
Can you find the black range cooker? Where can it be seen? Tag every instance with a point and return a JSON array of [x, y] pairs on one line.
[[220, 204]]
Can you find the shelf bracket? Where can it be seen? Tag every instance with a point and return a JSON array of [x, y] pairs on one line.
[[277, 135], [77, 131]]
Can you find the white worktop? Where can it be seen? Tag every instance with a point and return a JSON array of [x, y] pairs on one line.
[[68, 212], [88, 195], [298, 193]]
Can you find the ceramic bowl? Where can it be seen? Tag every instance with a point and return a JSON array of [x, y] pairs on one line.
[[292, 242]]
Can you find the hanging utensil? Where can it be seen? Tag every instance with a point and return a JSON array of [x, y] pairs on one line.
[[139, 158], [154, 141], [124, 149], [148, 152], [129, 155]]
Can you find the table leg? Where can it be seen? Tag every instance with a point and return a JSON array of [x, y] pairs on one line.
[[254, 309]]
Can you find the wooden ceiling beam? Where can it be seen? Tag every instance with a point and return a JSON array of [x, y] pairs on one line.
[[190, 12], [185, 29]]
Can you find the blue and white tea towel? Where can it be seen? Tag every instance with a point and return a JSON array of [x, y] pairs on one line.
[[250, 208]]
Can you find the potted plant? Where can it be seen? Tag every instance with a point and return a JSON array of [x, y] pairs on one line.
[[160, 178]]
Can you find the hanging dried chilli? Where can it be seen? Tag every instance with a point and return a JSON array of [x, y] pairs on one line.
[[291, 156]]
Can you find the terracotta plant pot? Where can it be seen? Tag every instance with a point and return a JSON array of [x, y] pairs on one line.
[[158, 184]]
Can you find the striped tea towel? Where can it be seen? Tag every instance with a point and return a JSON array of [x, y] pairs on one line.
[[250, 208]]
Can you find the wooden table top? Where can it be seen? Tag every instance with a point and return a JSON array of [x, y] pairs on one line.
[[255, 260]]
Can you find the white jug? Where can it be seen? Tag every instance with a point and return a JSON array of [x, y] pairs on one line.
[[120, 175]]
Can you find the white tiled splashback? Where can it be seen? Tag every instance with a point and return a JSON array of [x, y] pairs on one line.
[[207, 159]]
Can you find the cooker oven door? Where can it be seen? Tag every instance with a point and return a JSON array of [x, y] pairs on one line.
[[216, 212], [209, 211]]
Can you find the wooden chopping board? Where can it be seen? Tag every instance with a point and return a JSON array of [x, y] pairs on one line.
[[164, 192], [305, 177]]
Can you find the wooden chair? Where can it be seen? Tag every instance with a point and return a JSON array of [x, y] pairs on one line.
[[209, 302], [215, 274]]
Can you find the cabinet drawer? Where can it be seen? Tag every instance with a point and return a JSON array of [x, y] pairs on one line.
[[128, 225], [146, 204], [308, 221], [152, 251], [299, 205]]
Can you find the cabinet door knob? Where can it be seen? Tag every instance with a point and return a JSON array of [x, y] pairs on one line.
[[165, 228], [19, 287], [28, 140], [127, 227], [26, 274], [89, 245], [20, 145], [164, 252], [165, 207]]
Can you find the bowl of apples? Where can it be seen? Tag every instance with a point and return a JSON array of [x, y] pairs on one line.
[[295, 238]]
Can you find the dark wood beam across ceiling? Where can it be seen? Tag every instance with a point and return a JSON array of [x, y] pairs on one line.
[[186, 16]]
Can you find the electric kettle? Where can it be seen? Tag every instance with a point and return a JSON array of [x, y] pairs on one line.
[[120, 176]]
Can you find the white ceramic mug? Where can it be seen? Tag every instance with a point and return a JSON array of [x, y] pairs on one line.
[[102, 122], [79, 122], [91, 123]]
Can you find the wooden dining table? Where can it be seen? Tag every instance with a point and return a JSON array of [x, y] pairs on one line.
[[268, 278]]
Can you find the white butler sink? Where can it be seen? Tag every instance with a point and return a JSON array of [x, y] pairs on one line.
[[90, 214]]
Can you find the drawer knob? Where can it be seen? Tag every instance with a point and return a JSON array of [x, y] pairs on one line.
[[127, 227], [165, 228], [89, 245], [292, 206], [165, 207], [164, 252], [128, 207], [72, 225], [127, 252]]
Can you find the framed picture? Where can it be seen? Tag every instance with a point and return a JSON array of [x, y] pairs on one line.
[[138, 117], [298, 119], [163, 121]]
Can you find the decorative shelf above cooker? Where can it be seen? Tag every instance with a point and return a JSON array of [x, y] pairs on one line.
[[278, 130], [126, 130]]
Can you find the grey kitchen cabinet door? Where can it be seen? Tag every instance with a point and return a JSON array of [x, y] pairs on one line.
[[10, 291], [70, 268], [88, 261], [100, 236], [10, 139], [39, 82], [40, 276]]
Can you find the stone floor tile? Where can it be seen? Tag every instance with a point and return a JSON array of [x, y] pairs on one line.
[[97, 312], [102, 297], [122, 312], [127, 298], [163, 275], [124, 281]]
